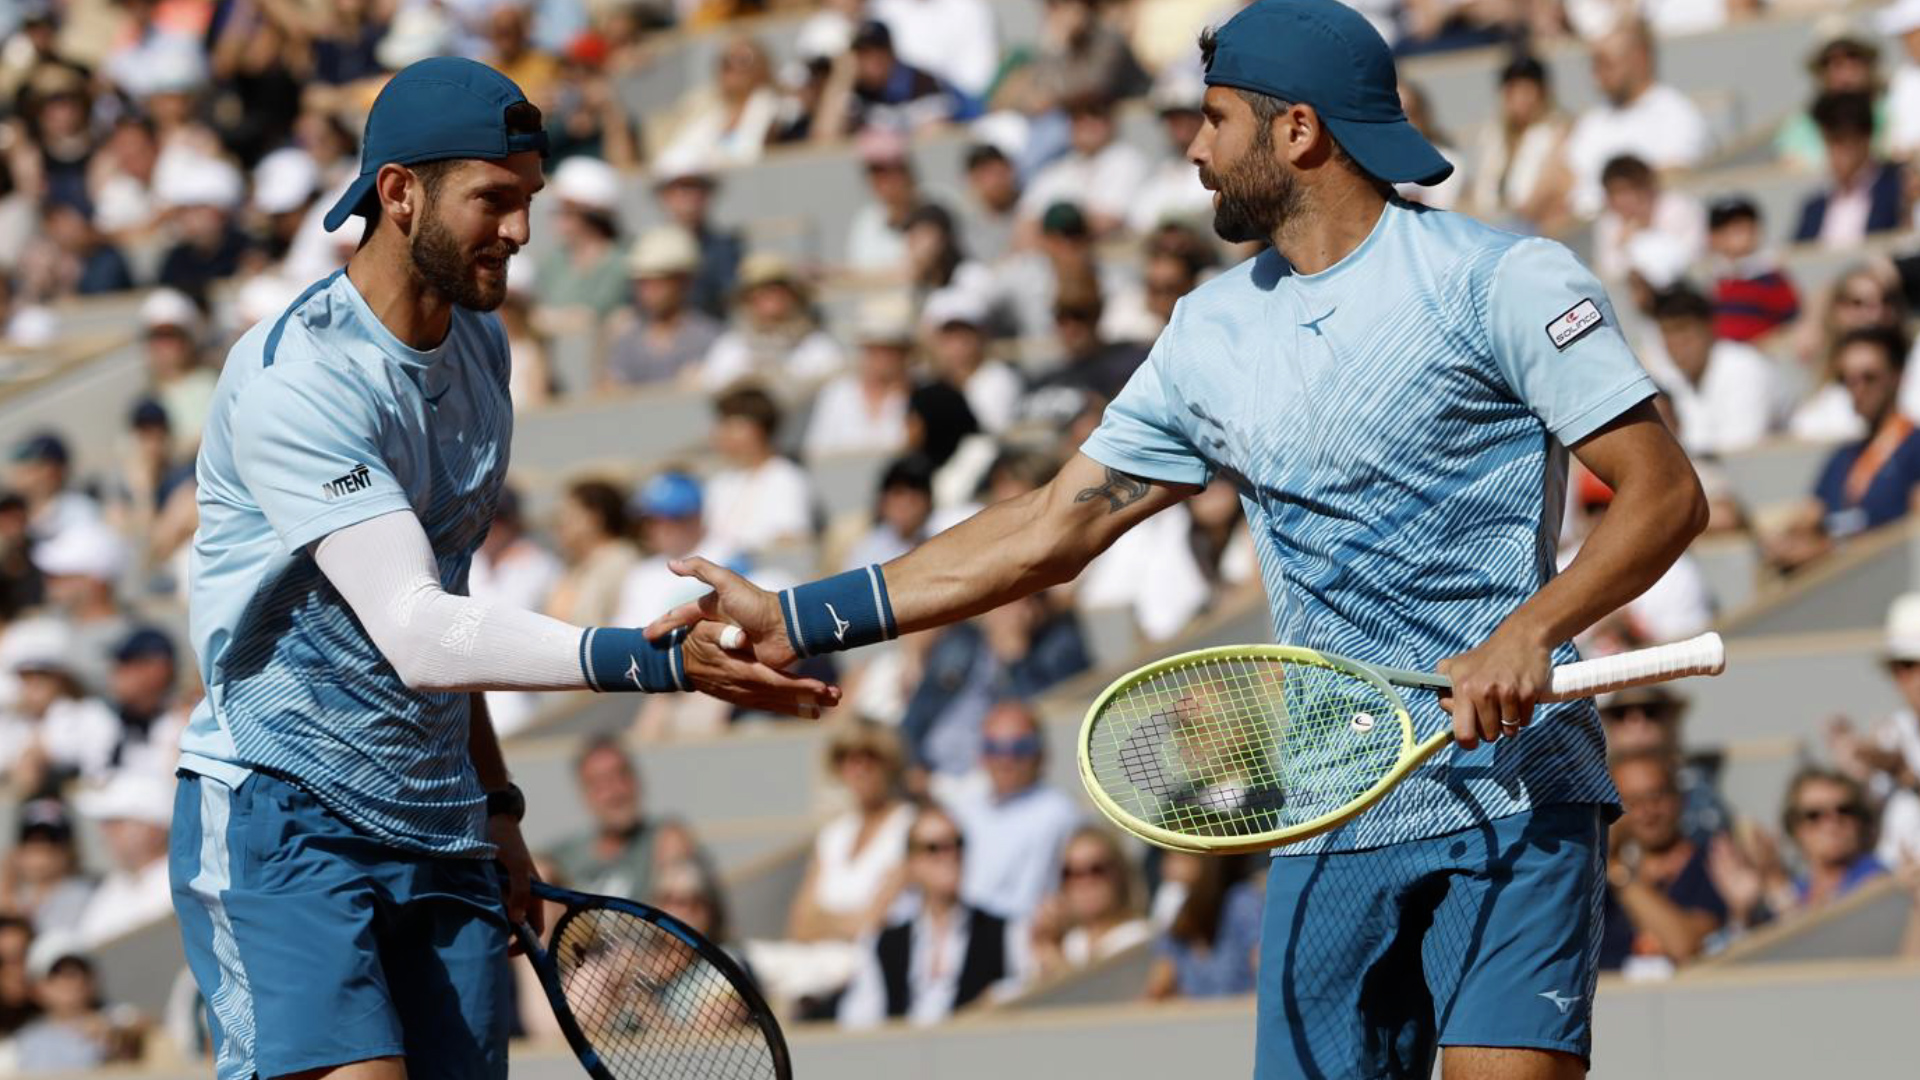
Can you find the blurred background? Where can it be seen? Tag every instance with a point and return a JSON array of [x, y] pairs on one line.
[[810, 283]]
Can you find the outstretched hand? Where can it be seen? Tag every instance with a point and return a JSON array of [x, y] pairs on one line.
[[750, 673], [734, 601]]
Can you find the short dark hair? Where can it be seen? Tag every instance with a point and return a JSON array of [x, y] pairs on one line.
[[1888, 339], [604, 501], [601, 744], [1730, 209], [1524, 67], [1644, 754], [1682, 301], [1844, 113], [1626, 169], [1267, 108], [750, 403], [984, 154]]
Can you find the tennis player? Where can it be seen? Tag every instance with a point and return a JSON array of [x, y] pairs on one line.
[[1395, 392], [342, 799]]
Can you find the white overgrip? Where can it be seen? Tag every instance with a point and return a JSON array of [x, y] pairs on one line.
[[1703, 655]]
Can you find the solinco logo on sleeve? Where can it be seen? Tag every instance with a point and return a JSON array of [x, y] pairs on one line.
[[357, 480]]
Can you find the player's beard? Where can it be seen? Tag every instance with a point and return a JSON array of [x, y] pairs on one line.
[[1256, 195], [441, 265]]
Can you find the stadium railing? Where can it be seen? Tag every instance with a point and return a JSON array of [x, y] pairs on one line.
[[1847, 590], [1866, 924]]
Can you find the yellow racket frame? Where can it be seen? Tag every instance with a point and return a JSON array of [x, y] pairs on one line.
[[1412, 753]]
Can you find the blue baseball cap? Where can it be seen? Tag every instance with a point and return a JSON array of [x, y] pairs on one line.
[[1325, 54], [440, 108], [669, 495]]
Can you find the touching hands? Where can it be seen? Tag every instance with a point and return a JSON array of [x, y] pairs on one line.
[[752, 672]]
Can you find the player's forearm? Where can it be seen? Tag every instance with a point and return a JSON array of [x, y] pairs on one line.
[[1009, 550]]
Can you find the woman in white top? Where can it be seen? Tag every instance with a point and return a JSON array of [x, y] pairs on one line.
[[730, 119], [1094, 915], [1515, 175], [857, 865]]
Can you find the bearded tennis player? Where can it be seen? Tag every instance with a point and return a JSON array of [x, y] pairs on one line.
[[346, 851], [1395, 391]]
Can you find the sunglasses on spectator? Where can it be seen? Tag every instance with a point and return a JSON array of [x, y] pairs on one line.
[[1806, 814], [1024, 746], [1093, 869], [1658, 713], [949, 845]]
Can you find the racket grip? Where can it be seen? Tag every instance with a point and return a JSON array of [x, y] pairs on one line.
[[1703, 655]]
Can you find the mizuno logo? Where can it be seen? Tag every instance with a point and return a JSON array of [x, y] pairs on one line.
[[1560, 1001], [633, 676], [434, 399], [357, 480], [839, 625], [1315, 324]]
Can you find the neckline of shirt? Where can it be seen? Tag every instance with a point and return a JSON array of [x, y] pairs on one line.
[[1392, 209], [386, 339]]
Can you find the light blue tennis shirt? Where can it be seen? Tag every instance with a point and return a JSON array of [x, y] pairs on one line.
[[1397, 426], [324, 419]]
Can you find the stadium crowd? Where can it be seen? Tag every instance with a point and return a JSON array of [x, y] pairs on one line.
[[176, 155]]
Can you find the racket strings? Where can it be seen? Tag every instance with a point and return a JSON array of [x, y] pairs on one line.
[[652, 1006], [1234, 747]]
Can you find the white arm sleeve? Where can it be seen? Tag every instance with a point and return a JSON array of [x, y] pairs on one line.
[[385, 570]]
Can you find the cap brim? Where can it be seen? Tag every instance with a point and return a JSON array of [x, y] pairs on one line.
[[350, 201], [1393, 151]]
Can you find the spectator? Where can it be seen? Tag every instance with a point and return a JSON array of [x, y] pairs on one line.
[[1831, 824], [685, 191], [184, 386], [663, 337], [624, 851], [75, 1028], [583, 271], [41, 879], [590, 529], [73, 258], [1752, 294], [1019, 825], [1648, 720], [668, 510], [1885, 759], [1064, 262], [200, 202], [1639, 116], [732, 118], [1105, 174], [1637, 205], [1513, 175], [760, 498], [1842, 61], [1016, 651], [959, 354], [941, 428], [877, 237], [874, 89], [121, 178], [587, 117], [17, 1006], [937, 264], [133, 810], [947, 954], [1210, 948], [902, 509], [1869, 482], [39, 475], [530, 379], [1172, 191], [1862, 196], [953, 40], [1093, 915], [141, 692], [55, 107], [857, 868], [1172, 271], [256, 87], [1902, 21], [82, 568], [1662, 907], [512, 52], [52, 731], [25, 323], [1722, 391], [679, 984], [1221, 544], [865, 410], [1446, 194], [776, 332], [989, 215], [1089, 367], [1080, 52], [1864, 297]]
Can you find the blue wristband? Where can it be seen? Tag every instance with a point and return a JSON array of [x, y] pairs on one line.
[[616, 659], [842, 612]]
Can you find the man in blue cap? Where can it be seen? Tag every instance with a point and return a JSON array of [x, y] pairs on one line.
[[1394, 391], [343, 801]]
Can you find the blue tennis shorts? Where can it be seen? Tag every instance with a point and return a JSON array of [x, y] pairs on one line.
[[316, 945], [1490, 936]]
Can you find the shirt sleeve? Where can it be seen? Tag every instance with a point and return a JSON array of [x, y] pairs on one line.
[[307, 444], [1140, 434], [1557, 341]]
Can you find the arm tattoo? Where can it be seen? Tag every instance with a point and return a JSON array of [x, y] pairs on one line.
[[1120, 491]]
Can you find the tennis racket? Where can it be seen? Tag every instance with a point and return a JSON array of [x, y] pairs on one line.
[[640, 996], [1250, 747]]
